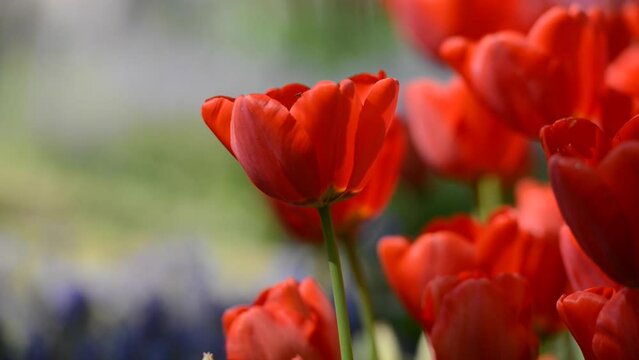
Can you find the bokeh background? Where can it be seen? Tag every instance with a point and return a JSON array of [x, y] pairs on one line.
[[125, 227]]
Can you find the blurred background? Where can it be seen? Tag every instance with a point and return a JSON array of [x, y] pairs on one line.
[[125, 227]]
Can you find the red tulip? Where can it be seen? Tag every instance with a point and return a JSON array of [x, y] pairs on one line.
[[304, 223], [446, 248], [582, 272], [595, 181], [530, 81], [604, 322], [429, 22], [457, 137], [480, 318], [526, 241], [307, 146], [285, 321]]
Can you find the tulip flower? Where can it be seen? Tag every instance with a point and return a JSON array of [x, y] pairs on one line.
[[285, 321], [604, 321], [311, 147], [525, 240], [427, 23], [458, 137], [307, 146], [445, 248], [530, 81], [594, 178], [304, 223], [480, 318], [582, 272]]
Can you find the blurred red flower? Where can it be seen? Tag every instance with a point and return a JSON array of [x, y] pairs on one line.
[[480, 318], [307, 146], [285, 321], [304, 223], [605, 322], [594, 178], [427, 23], [525, 240], [445, 248], [458, 137], [556, 71]]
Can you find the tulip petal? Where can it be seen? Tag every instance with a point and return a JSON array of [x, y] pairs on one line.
[[285, 321], [216, 113], [257, 335], [537, 207], [364, 82], [618, 327], [325, 112], [288, 94], [325, 336], [433, 117], [582, 272], [579, 41], [487, 319], [620, 171], [593, 214], [464, 225], [274, 149], [370, 128], [629, 131], [409, 267], [523, 85], [575, 137], [579, 311], [623, 73]]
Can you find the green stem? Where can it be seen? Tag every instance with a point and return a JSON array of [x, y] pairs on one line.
[[365, 304], [489, 195], [337, 281]]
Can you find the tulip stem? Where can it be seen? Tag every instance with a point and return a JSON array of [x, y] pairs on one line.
[[365, 304], [337, 281], [489, 195]]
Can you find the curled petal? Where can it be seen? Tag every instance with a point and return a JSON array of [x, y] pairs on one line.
[[288, 94], [579, 311], [577, 138], [216, 113]]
